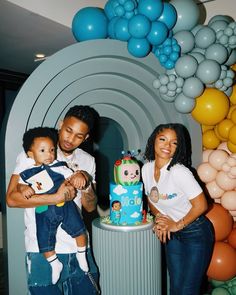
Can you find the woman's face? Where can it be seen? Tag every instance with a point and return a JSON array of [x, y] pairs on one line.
[[166, 144]]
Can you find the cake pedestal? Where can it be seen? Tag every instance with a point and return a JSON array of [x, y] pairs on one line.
[[128, 258]]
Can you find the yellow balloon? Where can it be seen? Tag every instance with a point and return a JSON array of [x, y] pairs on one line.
[[210, 140], [233, 67], [218, 134], [211, 107], [205, 128], [233, 95], [231, 146], [223, 128], [233, 116], [232, 134], [231, 109]]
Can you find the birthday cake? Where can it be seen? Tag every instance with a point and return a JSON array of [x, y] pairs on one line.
[[126, 195]]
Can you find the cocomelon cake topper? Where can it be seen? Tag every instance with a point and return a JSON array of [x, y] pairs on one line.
[[127, 169]]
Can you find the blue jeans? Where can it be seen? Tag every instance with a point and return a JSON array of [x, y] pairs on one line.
[[73, 280], [188, 255], [48, 221]]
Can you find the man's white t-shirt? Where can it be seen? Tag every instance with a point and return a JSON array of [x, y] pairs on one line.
[[175, 188], [79, 160]]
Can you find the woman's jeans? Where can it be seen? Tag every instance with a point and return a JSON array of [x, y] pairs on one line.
[[188, 255], [73, 280]]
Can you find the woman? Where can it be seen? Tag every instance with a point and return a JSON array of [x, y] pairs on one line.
[[179, 208]]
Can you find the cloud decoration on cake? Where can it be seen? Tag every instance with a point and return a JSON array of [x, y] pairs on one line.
[[119, 190], [135, 215]]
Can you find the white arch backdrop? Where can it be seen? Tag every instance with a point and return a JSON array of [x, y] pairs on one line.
[[100, 73]]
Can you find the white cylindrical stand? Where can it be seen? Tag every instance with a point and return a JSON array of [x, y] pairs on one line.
[[128, 258]]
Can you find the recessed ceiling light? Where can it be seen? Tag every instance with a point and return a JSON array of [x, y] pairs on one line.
[[40, 55]]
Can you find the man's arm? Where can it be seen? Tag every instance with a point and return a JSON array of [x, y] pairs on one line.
[[15, 199], [89, 198]]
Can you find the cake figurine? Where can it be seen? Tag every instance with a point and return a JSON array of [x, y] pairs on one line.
[[126, 192]]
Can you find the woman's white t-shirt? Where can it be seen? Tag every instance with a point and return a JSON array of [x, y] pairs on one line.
[[79, 160], [174, 189]]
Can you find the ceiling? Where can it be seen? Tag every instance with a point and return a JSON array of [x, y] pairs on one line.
[[28, 27]]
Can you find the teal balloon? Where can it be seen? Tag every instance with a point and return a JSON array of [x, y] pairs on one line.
[[231, 59], [121, 29], [199, 56], [220, 291], [205, 37], [184, 104], [152, 9], [111, 27], [139, 26], [158, 33], [168, 16], [187, 14], [226, 18], [218, 25], [186, 66], [138, 47], [196, 29], [185, 40], [217, 52], [193, 87], [208, 71], [90, 23], [109, 9]]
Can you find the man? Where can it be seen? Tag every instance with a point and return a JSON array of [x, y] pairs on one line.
[[73, 131]]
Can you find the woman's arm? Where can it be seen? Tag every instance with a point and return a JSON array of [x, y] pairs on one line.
[[15, 199]]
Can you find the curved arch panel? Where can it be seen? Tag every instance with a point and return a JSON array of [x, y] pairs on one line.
[[100, 73]]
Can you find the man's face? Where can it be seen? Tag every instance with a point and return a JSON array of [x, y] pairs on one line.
[[72, 133]]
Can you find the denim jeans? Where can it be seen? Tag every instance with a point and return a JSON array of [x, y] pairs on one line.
[[188, 255], [73, 280]]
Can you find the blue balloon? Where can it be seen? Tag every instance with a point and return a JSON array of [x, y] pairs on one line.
[[152, 9], [169, 15], [158, 33], [111, 27], [121, 29], [90, 23], [139, 47], [139, 26], [109, 10]]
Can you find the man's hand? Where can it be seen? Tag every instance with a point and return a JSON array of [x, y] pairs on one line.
[[27, 191], [66, 192], [89, 198]]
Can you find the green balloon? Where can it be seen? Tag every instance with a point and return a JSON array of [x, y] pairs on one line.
[[220, 291]]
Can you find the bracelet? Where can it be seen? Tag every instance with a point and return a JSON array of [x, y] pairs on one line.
[[180, 224]]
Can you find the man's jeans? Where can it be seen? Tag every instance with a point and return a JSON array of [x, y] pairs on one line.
[[188, 255], [73, 280]]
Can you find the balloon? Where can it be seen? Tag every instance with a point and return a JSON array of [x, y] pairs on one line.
[[214, 190], [186, 40], [193, 87], [158, 33], [152, 9], [205, 37], [231, 59], [168, 16], [109, 9], [220, 291], [121, 29], [210, 140], [223, 146], [139, 26], [184, 104], [223, 262], [199, 56], [186, 66], [232, 238], [206, 172], [187, 14], [208, 71], [211, 107], [138, 47], [228, 200], [231, 146], [225, 182], [196, 29], [217, 52], [222, 222], [111, 27], [225, 18], [206, 154], [233, 98], [218, 25], [232, 134], [224, 127], [217, 158], [90, 23]]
